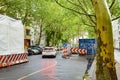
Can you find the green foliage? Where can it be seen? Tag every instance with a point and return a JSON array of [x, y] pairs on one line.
[[115, 9], [63, 22]]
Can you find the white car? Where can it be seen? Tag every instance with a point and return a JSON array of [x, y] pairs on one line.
[[49, 51]]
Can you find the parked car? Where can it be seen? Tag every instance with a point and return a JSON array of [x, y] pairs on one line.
[[49, 51], [32, 50], [40, 49]]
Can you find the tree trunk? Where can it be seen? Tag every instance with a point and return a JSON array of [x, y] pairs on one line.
[[105, 66], [41, 30]]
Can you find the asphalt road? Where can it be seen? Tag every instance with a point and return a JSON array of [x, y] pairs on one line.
[[39, 68]]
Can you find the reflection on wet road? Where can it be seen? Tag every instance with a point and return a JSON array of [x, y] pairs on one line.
[[49, 73], [46, 71]]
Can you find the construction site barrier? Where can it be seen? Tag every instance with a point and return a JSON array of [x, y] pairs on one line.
[[79, 51], [8, 60], [65, 53]]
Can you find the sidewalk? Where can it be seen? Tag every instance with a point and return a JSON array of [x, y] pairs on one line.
[[92, 70], [117, 58]]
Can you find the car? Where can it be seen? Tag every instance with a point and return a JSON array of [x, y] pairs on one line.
[[56, 48], [49, 52], [32, 50], [39, 49]]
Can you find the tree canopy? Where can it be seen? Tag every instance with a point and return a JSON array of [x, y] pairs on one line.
[[58, 16], [56, 20]]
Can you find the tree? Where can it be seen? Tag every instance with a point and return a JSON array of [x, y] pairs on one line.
[[20, 10], [42, 14], [99, 18], [105, 57]]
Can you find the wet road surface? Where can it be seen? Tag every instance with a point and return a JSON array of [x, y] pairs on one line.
[[39, 68]]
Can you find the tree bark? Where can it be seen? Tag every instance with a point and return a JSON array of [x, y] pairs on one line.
[[105, 66], [41, 30]]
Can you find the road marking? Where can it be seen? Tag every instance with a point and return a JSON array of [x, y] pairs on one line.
[[28, 75]]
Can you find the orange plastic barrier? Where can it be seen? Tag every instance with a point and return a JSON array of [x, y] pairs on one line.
[[79, 51], [65, 53]]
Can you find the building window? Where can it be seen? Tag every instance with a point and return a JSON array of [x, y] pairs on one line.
[[28, 32]]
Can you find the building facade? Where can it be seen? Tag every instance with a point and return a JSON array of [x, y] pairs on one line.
[[27, 37], [116, 34]]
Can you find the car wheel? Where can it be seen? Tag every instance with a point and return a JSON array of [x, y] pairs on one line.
[[29, 53], [43, 56], [54, 56], [32, 53]]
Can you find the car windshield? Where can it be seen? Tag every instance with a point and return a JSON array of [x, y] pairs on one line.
[[35, 47]]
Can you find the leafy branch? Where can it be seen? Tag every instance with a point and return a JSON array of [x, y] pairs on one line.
[[112, 4], [72, 9], [83, 9], [116, 18]]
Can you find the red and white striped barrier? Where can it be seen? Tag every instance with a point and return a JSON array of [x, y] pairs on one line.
[[77, 50], [65, 53], [8, 60]]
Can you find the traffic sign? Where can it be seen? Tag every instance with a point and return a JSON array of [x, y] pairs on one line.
[[64, 45]]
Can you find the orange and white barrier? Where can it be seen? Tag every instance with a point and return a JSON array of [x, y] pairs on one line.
[[79, 51], [74, 50], [65, 53], [82, 51], [8, 60]]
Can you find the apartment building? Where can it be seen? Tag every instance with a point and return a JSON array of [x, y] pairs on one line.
[[116, 34], [27, 37]]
